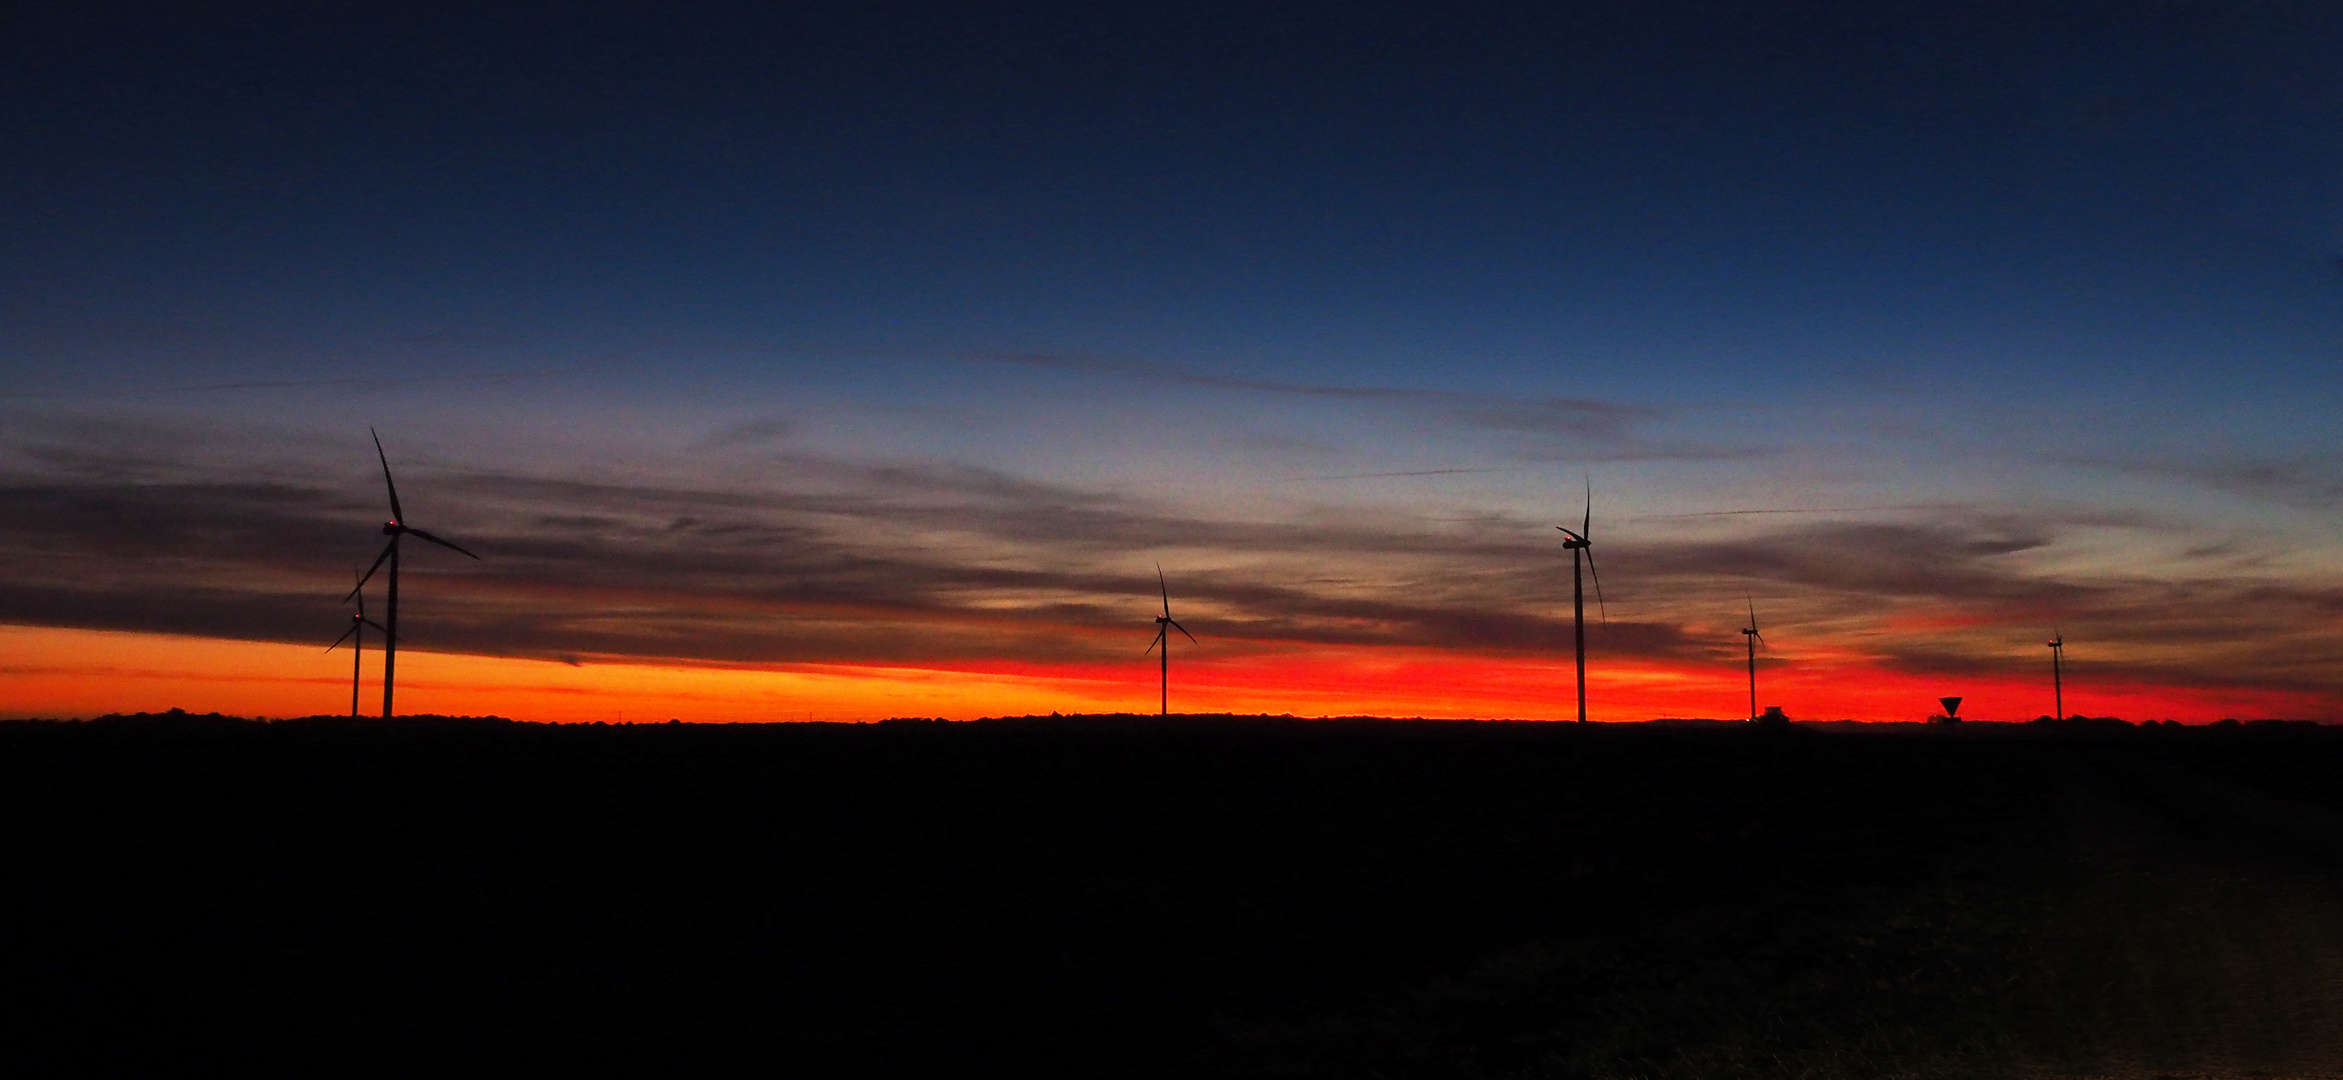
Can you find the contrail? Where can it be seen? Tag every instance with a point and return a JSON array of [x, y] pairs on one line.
[[291, 384], [1803, 510], [1382, 475]]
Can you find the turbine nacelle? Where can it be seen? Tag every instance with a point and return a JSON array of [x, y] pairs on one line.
[[396, 529], [1580, 544], [1164, 625]]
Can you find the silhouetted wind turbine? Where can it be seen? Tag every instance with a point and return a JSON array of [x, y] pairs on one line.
[[1163, 628], [1579, 544], [356, 636], [1751, 638], [2057, 645], [395, 528]]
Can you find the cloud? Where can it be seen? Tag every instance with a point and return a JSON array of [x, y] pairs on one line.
[[2310, 482], [1176, 377], [828, 560], [760, 431], [1600, 421], [1568, 428]]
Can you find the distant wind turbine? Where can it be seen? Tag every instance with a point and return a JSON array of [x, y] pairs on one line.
[[2057, 645], [1579, 544], [1752, 638], [395, 528], [1163, 628], [356, 636]]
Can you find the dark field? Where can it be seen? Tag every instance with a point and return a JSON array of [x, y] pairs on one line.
[[1212, 897]]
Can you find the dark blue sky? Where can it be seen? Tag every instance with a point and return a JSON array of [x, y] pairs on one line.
[[1810, 199]]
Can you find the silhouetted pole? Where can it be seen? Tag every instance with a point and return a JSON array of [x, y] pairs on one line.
[[1581, 560], [1749, 638], [1164, 625], [357, 652], [2057, 679], [1578, 620], [390, 644]]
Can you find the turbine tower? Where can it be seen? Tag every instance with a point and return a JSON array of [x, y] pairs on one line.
[[356, 636], [1580, 545], [2057, 645], [1163, 628], [395, 528], [1752, 638]]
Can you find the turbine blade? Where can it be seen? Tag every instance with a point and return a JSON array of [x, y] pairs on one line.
[[1598, 576], [369, 574], [1586, 526], [345, 637], [440, 542], [1752, 612], [377, 626], [1159, 583], [1152, 644], [1184, 630], [396, 513]]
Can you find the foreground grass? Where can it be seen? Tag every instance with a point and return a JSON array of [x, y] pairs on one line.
[[1127, 897], [2159, 924]]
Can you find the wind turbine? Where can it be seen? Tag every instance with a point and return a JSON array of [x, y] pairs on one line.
[[1163, 628], [1579, 544], [1751, 638], [395, 528], [2057, 645], [356, 636]]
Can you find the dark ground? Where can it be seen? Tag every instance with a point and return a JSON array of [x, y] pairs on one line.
[[1211, 897]]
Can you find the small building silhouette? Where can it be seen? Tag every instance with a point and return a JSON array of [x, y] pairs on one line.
[[1774, 717]]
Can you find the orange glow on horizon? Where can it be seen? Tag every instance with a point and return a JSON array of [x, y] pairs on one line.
[[79, 673]]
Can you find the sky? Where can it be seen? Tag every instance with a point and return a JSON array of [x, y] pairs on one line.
[[843, 361]]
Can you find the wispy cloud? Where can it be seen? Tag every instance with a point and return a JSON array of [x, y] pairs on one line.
[[2312, 482], [1569, 428], [758, 432], [834, 560]]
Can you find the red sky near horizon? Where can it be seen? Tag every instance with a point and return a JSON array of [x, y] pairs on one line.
[[76, 673]]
